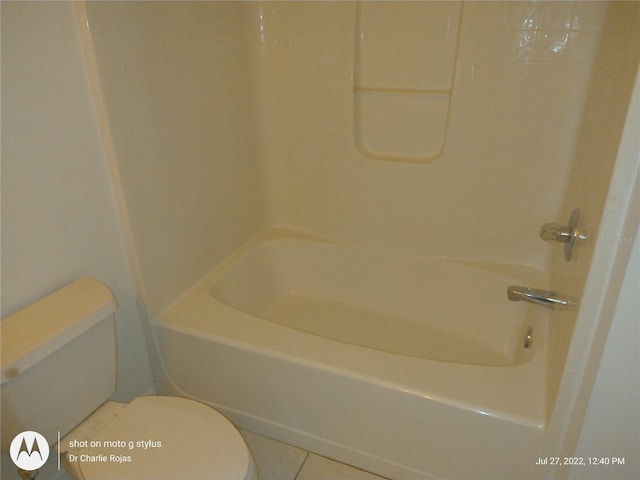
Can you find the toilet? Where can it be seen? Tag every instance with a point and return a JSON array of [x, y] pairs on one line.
[[58, 373]]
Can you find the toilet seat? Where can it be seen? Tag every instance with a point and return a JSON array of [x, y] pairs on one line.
[[161, 437]]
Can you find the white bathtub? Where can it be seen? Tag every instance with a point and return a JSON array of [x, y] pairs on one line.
[[407, 366]]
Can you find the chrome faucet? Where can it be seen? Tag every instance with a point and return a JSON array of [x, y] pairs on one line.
[[546, 298]]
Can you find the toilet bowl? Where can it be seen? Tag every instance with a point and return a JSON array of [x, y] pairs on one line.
[[58, 371], [156, 438]]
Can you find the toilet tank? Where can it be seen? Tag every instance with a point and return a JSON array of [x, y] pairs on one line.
[[58, 360]]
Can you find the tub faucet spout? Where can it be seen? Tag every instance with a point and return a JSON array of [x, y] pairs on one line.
[[546, 298]]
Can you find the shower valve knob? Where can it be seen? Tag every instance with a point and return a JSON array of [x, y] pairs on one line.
[[555, 232], [570, 235]]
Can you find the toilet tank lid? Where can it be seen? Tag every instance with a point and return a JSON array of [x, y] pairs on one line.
[[36, 331]]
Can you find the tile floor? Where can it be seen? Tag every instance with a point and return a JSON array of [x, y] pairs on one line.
[[279, 461]]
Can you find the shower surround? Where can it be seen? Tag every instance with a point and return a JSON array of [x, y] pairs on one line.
[[393, 131]]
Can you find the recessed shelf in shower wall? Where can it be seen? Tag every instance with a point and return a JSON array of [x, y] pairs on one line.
[[405, 56]]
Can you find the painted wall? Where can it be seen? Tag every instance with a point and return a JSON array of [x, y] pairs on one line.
[[610, 428], [59, 219]]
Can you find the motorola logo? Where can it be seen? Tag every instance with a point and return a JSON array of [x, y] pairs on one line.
[[29, 450]]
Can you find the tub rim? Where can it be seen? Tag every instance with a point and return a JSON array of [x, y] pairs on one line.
[[515, 393]]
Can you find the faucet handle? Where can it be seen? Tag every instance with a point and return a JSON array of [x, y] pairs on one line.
[[555, 232], [567, 234]]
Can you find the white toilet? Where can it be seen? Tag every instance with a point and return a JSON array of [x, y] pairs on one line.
[[59, 369]]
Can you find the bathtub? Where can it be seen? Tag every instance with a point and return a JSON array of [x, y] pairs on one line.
[[406, 366]]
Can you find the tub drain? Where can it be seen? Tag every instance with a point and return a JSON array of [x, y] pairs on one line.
[[528, 337]]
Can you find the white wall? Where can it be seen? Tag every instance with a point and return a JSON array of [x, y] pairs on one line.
[[612, 422], [59, 219]]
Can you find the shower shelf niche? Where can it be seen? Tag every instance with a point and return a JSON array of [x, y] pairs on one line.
[[403, 77]]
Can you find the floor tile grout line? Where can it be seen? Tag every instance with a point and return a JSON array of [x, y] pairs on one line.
[[309, 452], [306, 457]]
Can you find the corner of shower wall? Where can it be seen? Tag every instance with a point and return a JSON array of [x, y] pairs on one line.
[[595, 158], [104, 131], [258, 40]]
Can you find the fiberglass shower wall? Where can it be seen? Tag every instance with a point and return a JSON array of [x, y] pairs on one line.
[[178, 93], [228, 118], [494, 92]]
